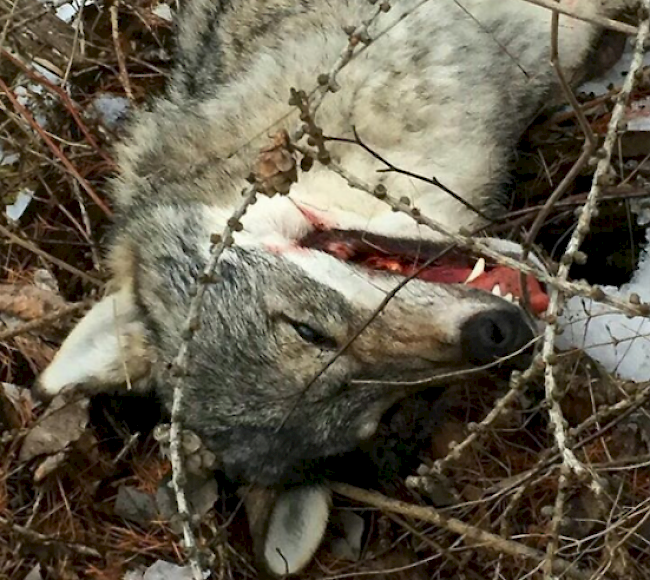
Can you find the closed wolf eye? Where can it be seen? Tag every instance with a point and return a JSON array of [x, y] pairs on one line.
[[312, 335]]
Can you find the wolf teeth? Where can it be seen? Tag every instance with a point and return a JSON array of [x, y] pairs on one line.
[[478, 270], [497, 290], [509, 297]]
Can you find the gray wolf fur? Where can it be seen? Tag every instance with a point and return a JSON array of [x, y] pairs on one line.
[[445, 91]]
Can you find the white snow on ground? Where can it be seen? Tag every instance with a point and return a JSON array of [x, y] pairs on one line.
[[7, 158], [18, 207], [111, 109], [616, 75], [163, 11], [67, 11], [161, 570], [621, 344]]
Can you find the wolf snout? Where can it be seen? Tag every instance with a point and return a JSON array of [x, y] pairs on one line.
[[496, 334]]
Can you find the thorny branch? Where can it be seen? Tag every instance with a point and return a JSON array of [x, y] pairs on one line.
[[180, 366], [570, 463], [517, 382], [571, 466], [632, 306], [358, 40], [326, 83]]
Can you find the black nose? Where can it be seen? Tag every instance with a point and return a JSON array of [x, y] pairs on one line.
[[491, 335]]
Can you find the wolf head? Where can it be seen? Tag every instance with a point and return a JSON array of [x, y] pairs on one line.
[[300, 351], [308, 334]]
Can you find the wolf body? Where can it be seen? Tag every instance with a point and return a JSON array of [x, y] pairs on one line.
[[445, 89]]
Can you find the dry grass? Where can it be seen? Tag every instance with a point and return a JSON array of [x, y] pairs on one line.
[[505, 482]]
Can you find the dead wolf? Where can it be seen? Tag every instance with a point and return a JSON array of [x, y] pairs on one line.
[[445, 89]]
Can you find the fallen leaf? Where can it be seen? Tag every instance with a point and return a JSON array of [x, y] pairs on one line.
[[63, 423]]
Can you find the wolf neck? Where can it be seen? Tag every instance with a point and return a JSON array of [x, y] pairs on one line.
[[199, 148], [172, 161]]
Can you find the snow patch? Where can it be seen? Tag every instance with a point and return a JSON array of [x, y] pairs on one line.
[[18, 207], [616, 75], [161, 570], [164, 12], [69, 10], [111, 109], [619, 342]]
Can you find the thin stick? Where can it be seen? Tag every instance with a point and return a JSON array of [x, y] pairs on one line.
[[431, 515], [54, 148], [45, 320], [43, 540], [60, 263], [587, 149], [578, 14], [121, 62]]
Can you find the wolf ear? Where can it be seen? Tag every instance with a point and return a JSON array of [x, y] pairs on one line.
[[105, 351], [287, 526]]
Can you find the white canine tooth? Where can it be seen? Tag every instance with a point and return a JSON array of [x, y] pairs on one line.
[[478, 270], [496, 290], [509, 297]]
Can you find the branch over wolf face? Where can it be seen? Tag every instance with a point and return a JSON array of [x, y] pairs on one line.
[[446, 90]]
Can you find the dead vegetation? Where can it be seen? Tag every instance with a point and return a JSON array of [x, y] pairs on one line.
[[494, 498]]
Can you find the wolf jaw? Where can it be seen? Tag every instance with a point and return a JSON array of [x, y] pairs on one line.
[[429, 261]]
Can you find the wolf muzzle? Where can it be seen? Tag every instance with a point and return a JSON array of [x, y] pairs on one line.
[[490, 336]]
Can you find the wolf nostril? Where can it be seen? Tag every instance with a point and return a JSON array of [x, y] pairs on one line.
[[498, 333]]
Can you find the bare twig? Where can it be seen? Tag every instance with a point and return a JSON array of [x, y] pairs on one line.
[[14, 239], [556, 295], [486, 539], [87, 233], [392, 168], [43, 540], [579, 13], [587, 150], [121, 62], [45, 320], [54, 148]]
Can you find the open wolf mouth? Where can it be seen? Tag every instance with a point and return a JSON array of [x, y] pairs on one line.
[[428, 261]]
